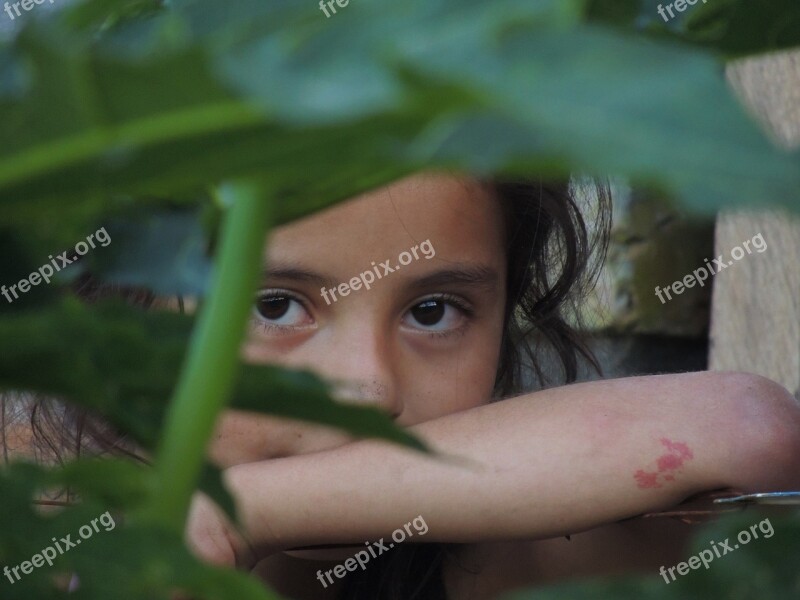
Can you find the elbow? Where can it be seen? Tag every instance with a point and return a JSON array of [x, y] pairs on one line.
[[766, 443]]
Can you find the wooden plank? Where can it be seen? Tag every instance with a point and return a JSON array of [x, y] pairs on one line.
[[755, 310], [755, 314]]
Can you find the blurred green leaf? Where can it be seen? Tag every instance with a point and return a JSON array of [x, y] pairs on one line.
[[737, 28], [116, 483], [18, 263], [730, 28], [122, 363], [163, 251], [129, 561], [303, 396], [105, 14], [586, 98], [114, 360], [620, 12], [213, 486]]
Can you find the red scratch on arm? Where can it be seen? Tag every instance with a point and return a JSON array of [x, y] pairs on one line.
[[677, 447], [677, 455], [646, 480]]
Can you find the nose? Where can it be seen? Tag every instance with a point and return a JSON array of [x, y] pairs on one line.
[[359, 360]]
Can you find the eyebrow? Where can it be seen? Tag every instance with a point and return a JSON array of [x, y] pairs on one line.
[[294, 273], [479, 276], [460, 274]]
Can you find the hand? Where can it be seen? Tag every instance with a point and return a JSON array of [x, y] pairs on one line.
[[213, 539]]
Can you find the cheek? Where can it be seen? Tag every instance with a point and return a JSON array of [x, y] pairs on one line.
[[262, 350], [455, 381]]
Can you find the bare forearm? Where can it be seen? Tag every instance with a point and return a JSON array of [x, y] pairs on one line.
[[540, 465]]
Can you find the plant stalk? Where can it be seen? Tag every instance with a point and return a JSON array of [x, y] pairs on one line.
[[212, 361]]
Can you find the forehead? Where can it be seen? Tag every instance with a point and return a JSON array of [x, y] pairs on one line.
[[459, 216]]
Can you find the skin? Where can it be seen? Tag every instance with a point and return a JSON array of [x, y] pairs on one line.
[[530, 469]]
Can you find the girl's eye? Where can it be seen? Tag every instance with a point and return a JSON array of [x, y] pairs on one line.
[[279, 309], [436, 314]]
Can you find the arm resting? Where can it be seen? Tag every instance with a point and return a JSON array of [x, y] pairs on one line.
[[540, 465]]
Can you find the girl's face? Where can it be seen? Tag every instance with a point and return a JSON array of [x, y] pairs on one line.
[[422, 342]]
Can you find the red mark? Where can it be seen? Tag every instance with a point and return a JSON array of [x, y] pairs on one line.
[[677, 454], [677, 447], [646, 480], [669, 462]]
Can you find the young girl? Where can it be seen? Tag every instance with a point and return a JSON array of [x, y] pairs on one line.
[[470, 281]]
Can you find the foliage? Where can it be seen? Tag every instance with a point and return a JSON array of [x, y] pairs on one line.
[[201, 122]]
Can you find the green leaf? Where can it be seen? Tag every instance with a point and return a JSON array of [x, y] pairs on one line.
[[111, 557], [163, 251], [18, 263], [303, 396], [609, 104], [116, 483], [104, 14], [116, 361], [212, 484], [587, 99], [122, 363], [737, 28], [620, 12]]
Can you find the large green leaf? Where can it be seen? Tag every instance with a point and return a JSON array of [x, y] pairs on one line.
[[739, 27], [117, 361], [303, 396], [732, 28], [605, 103], [112, 558], [123, 363], [165, 252], [584, 98]]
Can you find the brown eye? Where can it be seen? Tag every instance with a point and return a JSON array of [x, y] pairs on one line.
[[429, 312], [440, 314], [280, 309], [273, 308]]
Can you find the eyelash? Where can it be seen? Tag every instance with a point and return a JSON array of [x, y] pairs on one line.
[[458, 303], [269, 327]]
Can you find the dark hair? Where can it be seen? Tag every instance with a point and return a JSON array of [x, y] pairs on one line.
[[550, 254], [553, 261]]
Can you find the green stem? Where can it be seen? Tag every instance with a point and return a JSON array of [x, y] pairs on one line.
[[211, 365]]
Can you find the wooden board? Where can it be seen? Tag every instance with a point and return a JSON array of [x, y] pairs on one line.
[[755, 313]]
